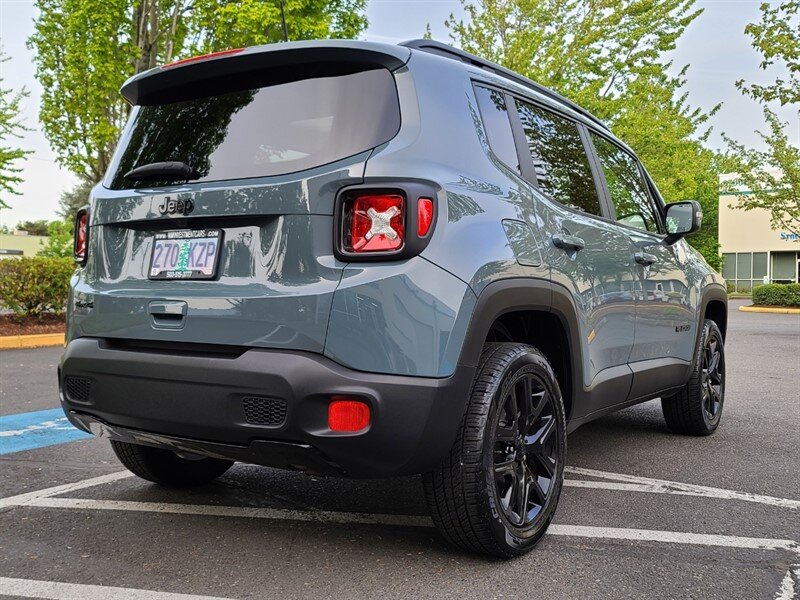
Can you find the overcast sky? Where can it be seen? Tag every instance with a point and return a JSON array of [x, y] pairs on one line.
[[714, 45]]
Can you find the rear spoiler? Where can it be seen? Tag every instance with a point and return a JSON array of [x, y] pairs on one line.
[[251, 67]]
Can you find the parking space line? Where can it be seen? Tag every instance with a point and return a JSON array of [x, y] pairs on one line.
[[246, 512], [788, 589], [26, 498], [346, 518], [32, 588], [662, 486], [674, 537]]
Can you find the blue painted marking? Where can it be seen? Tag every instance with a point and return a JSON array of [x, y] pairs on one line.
[[26, 431]]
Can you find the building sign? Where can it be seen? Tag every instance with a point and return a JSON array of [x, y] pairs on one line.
[[5, 252], [790, 237]]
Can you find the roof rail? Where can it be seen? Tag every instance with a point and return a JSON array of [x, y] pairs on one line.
[[448, 51]]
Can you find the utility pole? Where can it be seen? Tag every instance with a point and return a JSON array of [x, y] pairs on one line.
[[283, 22]]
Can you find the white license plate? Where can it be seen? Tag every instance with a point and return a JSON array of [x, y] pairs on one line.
[[185, 254]]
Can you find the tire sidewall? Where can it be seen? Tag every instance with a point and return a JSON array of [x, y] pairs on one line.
[[519, 540], [710, 330]]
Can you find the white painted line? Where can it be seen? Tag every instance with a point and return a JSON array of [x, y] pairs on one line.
[[346, 518], [247, 512], [662, 486], [32, 588], [23, 499], [788, 590], [674, 537]]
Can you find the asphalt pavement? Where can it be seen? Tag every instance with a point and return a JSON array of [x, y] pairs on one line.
[[644, 514]]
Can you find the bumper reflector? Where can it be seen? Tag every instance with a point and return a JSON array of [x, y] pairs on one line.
[[347, 415]]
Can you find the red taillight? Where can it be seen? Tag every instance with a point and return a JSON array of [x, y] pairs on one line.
[[347, 415], [191, 59], [424, 216], [374, 223], [81, 240]]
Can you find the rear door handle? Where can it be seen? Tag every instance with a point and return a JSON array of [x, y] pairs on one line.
[[568, 242], [166, 314], [644, 259]]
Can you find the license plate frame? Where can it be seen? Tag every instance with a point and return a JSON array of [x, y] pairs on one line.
[[181, 240]]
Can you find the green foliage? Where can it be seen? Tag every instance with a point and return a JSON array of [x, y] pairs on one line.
[[771, 177], [777, 294], [86, 49], [777, 38], [72, 200], [33, 227], [30, 286], [59, 240], [217, 25], [10, 127], [608, 56]]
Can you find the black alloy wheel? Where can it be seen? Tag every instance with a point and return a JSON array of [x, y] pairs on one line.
[[696, 409], [497, 490], [525, 450]]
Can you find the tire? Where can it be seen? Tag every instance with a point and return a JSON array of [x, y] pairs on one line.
[[475, 494], [166, 468], [697, 408]]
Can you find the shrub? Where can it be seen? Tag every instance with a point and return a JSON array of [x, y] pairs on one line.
[[32, 286], [777, 294]]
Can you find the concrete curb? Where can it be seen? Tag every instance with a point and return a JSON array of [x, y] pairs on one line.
[[770, 309], [39, 340]]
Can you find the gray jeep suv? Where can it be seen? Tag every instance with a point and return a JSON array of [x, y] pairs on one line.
[[368, 260]]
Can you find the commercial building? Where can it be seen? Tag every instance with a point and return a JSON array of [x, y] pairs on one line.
[[20, 244], [752, 251]]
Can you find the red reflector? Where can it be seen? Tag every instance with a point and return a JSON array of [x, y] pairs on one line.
[[424, 216], [81, 231], [183, 61], [376, 223], [347, 415]]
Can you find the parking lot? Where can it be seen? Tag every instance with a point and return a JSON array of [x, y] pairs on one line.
[[645, 513]]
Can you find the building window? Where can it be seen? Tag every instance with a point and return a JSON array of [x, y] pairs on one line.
[[784, 267], [729, 266], [759, 265]]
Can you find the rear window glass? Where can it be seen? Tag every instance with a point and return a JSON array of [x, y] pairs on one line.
[[267, 131]]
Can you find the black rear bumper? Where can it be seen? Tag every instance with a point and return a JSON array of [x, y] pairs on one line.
[[194, 400]]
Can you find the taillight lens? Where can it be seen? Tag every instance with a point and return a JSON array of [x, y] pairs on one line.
[[347, 415], [374, 223], [424, 216], [81, 241]]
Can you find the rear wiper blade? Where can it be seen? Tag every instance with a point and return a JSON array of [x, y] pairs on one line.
[[164, 170]]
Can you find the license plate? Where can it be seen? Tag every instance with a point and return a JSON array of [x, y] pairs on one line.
[[185, 254]]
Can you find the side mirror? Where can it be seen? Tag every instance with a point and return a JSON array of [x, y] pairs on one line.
[[682, 218]]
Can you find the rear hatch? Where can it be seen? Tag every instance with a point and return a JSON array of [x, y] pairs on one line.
[[240, 251]]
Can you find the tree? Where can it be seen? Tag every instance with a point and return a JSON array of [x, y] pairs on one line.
[[86, 49], [72, 200], [771, 177], [59, 240], [777, 38], [33, 227], [608, 56], [10, 127]]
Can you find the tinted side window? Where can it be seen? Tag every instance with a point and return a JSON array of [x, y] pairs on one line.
[[562, 168], [492, 105], [626, 186]]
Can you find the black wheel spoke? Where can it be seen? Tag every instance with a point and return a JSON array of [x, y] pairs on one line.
[[540, 496], [525, 449], [546, 464], [505, 467]]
